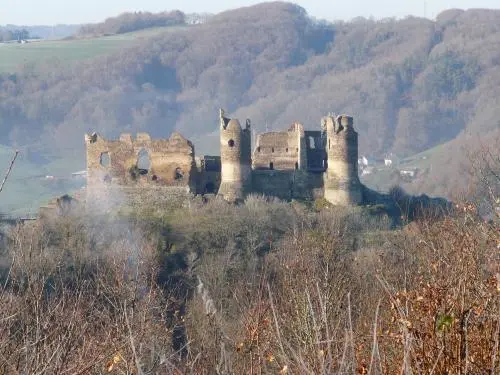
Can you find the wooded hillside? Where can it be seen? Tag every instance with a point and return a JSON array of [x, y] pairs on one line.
[[411, 84]]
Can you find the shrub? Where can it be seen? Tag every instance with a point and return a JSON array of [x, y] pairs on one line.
[[81, 300], [261, 287]]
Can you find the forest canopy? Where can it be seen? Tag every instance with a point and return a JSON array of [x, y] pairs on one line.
[[411, 84], [128, 22]]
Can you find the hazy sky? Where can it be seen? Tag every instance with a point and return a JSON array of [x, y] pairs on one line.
[[30, 12]]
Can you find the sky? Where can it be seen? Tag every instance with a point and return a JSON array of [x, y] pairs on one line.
[[50, 12]]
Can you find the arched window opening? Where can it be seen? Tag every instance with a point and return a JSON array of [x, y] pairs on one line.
[[286, 149], [258, 149], [272, 149], [271, 165], [105, 160], [296, 165], [143, 162], [179, 174], [230, 143]]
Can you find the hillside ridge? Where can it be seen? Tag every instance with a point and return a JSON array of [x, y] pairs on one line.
[[412, 83]]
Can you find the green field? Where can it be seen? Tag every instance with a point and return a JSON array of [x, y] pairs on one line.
[[14, 56], [423, 159], [385, 178], [28, 187]]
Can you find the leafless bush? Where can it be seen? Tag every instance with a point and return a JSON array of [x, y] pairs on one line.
[[72, 305], [262, 287], [445, 316], [485, 170], [424, 301]]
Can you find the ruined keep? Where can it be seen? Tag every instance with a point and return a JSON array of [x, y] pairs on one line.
[[235, 155], [342, 185], [290, 164]]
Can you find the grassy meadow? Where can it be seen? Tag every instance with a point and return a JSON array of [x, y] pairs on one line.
[[14, 56], [28, 186]]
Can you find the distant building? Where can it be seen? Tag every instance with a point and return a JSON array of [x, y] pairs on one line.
[[391, 159], [367, 171], [366, 161], [197, 18], [408, 173]]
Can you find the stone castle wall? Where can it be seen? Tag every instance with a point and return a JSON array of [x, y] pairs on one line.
[[293, 164], [288, 184], [169, 162], [209, 174], [141, 171], [279, 150]]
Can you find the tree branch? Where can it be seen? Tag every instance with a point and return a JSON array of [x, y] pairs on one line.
[[9, 170]]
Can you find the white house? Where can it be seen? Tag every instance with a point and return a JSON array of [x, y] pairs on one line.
[[366, 161], [367, 170], [408, 173]]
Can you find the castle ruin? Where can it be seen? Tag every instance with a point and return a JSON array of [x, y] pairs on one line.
[[290, 164]]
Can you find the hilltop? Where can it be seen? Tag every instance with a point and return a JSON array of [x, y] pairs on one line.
[[411, 84], [130, 22]]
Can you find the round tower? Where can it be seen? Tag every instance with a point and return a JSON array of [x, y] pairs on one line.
[[235, 151], [342, 185]]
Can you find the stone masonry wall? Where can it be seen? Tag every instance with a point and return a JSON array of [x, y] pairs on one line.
[[288, 184], [235, 152], [279, 150], [209, 174], [171, 161], [342, 185]]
